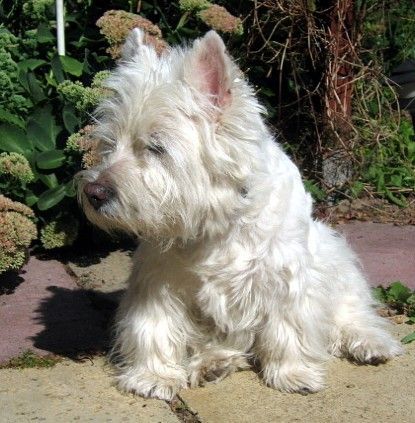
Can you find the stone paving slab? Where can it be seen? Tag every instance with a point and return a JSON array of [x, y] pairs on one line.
[[380, 394], [48, 313], [387, 252], [73, 392], [107, 274]]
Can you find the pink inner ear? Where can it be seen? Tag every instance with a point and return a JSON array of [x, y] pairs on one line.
[[211, 74]]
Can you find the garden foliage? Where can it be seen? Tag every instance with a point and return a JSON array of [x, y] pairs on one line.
[[46, 100]]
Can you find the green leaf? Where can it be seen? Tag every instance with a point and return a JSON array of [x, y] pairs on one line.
[[31, 85], [398, 292], [379, 293], [7, 117], [42, 129], [31, 198], [51, 197], [396, 180], [50, 180], [44, 35], [57, 69], [71, 65], [70, 188], [50, 159], [394, 199], [314, 190], [69, 118], [408, 338], [30, 64], [14, 139]]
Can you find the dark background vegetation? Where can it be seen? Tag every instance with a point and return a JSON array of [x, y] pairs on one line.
[[321, 68]]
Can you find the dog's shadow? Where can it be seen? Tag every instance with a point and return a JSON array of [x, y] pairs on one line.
[[76, 323]]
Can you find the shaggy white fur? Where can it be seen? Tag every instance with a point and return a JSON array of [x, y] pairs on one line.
[[231, 266]]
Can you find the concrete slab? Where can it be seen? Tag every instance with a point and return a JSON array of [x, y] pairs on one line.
[[386, 251], [108, 274], [48, 313], [73, 392], [355, 394]]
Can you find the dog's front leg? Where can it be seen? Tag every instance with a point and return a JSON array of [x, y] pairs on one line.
[[152, 329], [292, 356]]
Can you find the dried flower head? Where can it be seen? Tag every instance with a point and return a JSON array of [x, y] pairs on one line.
[[83, 142], [16, 166], [115, 25], [219, 19], [60, 232]]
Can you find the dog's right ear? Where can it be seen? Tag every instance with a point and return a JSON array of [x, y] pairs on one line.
[[208, 69], [135, 47]]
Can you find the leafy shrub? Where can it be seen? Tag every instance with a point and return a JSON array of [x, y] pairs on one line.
[[401, 299], [391, 164], [17, 231]]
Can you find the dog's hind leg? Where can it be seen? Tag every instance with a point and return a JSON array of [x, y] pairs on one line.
[[360, 334], [357, 331]]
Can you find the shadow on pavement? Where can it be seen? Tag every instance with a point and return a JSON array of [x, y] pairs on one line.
[[76, 322], [9, 281]]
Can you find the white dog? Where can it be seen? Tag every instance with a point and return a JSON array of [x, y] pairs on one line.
[[232, 266]]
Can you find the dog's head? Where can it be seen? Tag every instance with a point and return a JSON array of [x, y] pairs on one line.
[[178, 142]]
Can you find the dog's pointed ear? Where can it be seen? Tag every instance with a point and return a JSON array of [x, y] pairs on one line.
[[209, 68], [135, 46]]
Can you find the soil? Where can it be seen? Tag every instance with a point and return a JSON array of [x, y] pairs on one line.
[[371, 209]]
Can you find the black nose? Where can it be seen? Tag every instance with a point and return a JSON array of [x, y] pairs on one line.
[[97, 194]]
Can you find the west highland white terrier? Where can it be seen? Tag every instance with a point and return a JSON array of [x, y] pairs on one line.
[[231, 268]]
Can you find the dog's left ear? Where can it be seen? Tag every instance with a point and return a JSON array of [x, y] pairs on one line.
[[208, 69], [136, 49]]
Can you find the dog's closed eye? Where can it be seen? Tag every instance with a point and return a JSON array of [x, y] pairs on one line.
[[155, 146], [156, 149]]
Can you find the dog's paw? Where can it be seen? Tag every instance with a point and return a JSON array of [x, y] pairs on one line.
[[149, 385], [374, 348], [206, 368], [300, 379]]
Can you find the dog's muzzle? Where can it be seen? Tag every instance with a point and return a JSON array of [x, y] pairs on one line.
[[98, 194]]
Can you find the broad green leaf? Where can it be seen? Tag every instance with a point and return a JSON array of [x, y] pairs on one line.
[[57, 69], [14, 139], [70, 188], [71, 65], [408, 338], [44, 35], [50, 80], [51, 197], [35, 88], [42, 129], [31, 85], [69, 118], [7, 117], [31, 198], [50, 180], [30, 64], [50, 159], [399, 292]]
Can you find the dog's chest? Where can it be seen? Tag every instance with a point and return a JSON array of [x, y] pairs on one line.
[[233, 292]]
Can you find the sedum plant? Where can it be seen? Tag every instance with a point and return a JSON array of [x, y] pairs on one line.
[[17, 231], [61, 232]]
